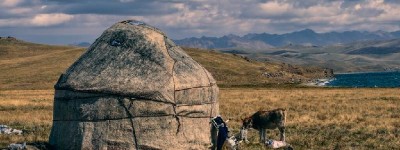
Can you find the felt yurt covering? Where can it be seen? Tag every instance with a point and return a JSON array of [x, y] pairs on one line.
[[134, 89]]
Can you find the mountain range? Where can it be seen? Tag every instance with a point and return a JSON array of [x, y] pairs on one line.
[[306, 37], [350, 51], [362, 56]]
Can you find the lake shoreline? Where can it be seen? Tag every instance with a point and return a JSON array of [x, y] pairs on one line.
[[387, 79], [318, 82], [340, 73]]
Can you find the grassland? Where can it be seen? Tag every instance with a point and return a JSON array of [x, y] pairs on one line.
[[31, 66], [27, 110], [323, 118], [237, 71], [318, 118]]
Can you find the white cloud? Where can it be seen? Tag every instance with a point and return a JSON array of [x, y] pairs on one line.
[[13, 22], [125, 1], [275, 8], [188, 18], [21, 10], [50, 19], [357, 7], [37, 20], [10, 3], [321, 10]]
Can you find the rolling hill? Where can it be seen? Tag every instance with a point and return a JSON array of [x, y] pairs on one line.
[[27, 65], [363, 56]]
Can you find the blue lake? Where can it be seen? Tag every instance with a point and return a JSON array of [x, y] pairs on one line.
[[372, 79]]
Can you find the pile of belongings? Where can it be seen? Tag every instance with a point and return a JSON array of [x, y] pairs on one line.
[[278, 144], [7, 130], [15, 146]]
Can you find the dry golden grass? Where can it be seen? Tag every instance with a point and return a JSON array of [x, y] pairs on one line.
[[236, 71], [318, 118], [29, 110], [323, 118], [30, 66], [38, 71]]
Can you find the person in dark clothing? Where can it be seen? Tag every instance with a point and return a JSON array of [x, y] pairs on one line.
[[222, 136], [219, 124]]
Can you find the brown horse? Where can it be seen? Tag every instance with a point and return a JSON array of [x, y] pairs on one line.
[[262, 120]]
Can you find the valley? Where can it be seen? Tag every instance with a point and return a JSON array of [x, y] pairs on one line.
[[350, 51]]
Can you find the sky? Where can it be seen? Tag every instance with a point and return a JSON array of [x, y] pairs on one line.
[[74, 21]]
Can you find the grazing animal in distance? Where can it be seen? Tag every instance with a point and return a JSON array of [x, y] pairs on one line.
[[262, 120]]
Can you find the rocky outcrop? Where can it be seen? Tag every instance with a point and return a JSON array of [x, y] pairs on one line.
[[134, 89], [328, 73], [308, 71], [9, 38]]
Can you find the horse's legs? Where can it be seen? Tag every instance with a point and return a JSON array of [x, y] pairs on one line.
[[262, 135], [265, 135], [282, 133]]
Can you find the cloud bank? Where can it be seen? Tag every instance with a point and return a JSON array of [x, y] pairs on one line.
[[83, 20]]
